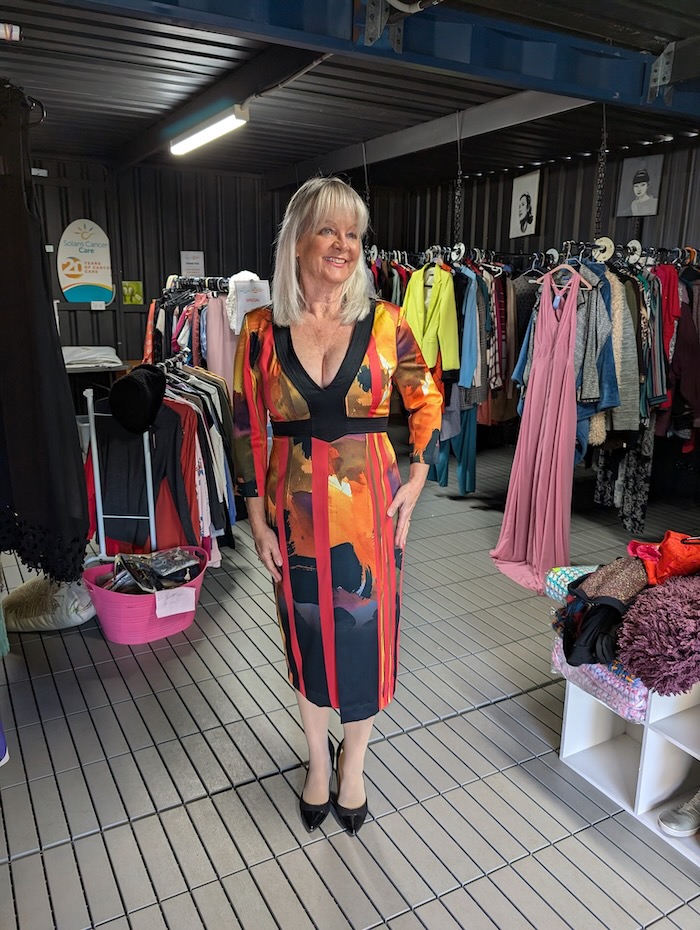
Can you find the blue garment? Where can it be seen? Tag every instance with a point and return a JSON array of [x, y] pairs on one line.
[[464, 447], [518, 376], [484, 288], [470, 334], [607, 374], [203, 333], [605, 362]]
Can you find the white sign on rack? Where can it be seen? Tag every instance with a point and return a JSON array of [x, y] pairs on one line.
[[249, 296], [192, 264]]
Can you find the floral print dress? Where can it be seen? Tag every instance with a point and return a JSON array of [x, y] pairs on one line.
[[328, 481]]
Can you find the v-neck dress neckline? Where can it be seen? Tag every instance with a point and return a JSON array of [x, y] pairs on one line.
[[559, 294], [344, 377]]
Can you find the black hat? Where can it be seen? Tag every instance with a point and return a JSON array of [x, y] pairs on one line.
[[640, 176], [136, 398]]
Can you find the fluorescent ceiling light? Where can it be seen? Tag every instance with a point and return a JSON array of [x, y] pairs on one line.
[[209, 130]]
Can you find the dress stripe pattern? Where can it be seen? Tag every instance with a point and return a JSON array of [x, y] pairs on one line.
[[328, 482]]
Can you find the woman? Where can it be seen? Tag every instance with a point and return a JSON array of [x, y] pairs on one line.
[[328, 513], [643, 204], [525, 212]]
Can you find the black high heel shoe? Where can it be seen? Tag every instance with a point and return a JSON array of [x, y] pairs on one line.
[[313, 815], [351, 818]]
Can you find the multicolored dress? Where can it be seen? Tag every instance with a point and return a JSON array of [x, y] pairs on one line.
[[328, 481]]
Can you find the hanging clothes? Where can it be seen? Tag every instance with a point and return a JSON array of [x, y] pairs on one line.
[[624, 477], [431, 313], [192, 469], [43, 506], [535, 532], [221, 341]]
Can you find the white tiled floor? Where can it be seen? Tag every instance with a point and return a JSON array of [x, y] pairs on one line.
[[156, 786]]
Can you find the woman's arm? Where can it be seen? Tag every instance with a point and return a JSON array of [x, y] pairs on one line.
[[406, 499], [264, 537], [423, 401]]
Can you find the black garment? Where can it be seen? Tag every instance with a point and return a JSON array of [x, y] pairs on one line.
[[217, 508], [526, 293], [43, 502], [594, 639], [123, 475], [461, 284]]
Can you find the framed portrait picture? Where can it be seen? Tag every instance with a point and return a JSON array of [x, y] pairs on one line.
[[639, 186], [523, 205]]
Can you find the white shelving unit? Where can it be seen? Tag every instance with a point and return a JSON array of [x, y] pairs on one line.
[[645, 767]]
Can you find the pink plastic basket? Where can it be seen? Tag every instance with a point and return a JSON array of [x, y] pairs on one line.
[[131, 619]]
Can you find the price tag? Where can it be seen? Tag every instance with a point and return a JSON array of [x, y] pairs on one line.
[[174, 601], [98, 305]]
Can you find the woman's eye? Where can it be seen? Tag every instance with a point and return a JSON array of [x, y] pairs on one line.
[[326, 231], [352, 235]]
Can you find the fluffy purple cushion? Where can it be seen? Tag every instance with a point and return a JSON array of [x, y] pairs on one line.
[[660, 637]]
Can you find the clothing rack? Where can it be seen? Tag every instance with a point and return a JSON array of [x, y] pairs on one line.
[[101, 516], [174, 361], [178, 282]]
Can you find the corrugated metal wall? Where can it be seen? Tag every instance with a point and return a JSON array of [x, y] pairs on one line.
[[415, 219], [150, 214]]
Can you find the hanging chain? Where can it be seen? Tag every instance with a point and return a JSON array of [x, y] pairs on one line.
[[457, 212], [600, 178], [364, 162]]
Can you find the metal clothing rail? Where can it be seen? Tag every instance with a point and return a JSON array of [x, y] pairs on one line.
[[99, 509], [205, 284]]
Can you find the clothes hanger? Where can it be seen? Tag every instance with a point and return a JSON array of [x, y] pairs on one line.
[[565, 266], [34, 104], [537, 264]]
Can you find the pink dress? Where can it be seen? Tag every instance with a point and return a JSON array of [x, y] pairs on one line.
[[537, 520]]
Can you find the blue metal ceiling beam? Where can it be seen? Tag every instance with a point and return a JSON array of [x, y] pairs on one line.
[[439, 39]]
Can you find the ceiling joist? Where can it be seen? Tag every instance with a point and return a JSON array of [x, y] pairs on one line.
[[489, 117]]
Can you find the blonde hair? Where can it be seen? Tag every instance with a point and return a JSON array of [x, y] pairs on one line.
[[318, 199]]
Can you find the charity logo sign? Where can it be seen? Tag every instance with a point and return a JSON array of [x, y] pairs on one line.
[[84, 263]]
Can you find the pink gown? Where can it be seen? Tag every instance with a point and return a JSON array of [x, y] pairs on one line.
[[536, 524]]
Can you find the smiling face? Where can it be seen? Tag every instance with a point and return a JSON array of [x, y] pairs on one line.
[[329, 253], [640, 189]]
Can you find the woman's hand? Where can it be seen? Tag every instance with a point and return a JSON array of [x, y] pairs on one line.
[[265, 538], [405, 500], [268, 548]]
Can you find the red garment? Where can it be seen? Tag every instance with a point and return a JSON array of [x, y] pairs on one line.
[[148, 342], [667, 559], [196, 337], [670, 302]]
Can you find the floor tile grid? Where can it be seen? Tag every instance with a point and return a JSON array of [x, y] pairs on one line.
[[433, 790]]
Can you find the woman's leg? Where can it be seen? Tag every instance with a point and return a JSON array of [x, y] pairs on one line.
[[315, 722], [352, 763]]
